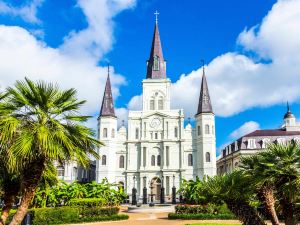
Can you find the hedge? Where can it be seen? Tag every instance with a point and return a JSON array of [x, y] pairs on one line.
[[88, 202], [66, 214], [200, 216], [202, 209]]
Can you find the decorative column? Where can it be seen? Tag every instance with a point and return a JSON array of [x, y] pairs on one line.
[[162, 191], [134, 191], [144, 191], [173, 191]]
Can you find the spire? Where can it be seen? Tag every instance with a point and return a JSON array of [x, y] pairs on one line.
[[107, 107], [156, 66], [204, 105], [288, 114]]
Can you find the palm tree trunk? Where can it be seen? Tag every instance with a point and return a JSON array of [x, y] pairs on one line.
[[11, 190], [244, 212], [31, 180], [289, 212], [269, 202], [8, 203]]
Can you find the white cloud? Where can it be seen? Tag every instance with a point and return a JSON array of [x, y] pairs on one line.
[[237, 81], [27, 11], [95, 40], [22, 54], [246, 128]]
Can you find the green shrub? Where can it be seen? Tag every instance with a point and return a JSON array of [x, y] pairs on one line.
[[201, 216], [66, 215], [88, 202], [206, 209]]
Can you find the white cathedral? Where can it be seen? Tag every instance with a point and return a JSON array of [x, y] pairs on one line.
[[156, 150]]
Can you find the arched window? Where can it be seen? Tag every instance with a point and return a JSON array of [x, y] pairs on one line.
[[113, 133], [152, 160], [103, 160], [158, 160], [190, 159], [206, 129], [199, 130], [136, 133], [160, 104], [121, 162], [105, 132], [156, 63], [152, 105], [207, 157]]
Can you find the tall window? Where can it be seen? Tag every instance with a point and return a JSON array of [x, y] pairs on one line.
[[167, 129], [105, 132], [156, 63], [156, 136], [251, 144], [145, 127], [152, 106], [144, 156], [190, 159], [176, 132], [113, 133], [206, 129], [103, 160], [158, 160], [153, 160], [167, 155], [207, 157], [121, 162], [160, 104], [199, 130], [136, 133]]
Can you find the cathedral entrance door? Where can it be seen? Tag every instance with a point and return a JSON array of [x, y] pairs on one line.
[[156, 186]]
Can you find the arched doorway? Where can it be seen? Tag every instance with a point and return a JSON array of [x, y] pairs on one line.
[[155, 188]]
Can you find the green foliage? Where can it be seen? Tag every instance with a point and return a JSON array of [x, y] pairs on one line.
[[76, 194], [201, 216], [202, 209], [65, 215]]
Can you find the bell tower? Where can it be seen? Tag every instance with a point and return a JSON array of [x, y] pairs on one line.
[[205, 133]]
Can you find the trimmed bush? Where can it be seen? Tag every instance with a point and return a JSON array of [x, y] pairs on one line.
[[66, 215], [87, 202], [202, 209], [201, 216]]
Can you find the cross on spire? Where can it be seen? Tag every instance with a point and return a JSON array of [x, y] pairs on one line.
[[156, 16], [108, 69]]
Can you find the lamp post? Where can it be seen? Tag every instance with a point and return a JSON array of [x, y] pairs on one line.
[[144, 191], [173, 191], [134, 202], [162, 191]]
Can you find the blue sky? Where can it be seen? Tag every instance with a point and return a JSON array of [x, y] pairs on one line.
[[251, 66]]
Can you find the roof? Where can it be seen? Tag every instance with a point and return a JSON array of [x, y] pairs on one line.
[[274, 132], [107, 107], [204, 105], [156, 55]]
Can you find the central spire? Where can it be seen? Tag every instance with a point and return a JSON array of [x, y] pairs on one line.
[[204, 105], [156, 65]]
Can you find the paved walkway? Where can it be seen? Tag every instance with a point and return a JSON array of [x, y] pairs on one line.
[[156, 218]]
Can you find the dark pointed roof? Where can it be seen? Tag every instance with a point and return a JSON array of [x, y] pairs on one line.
[[288, 114], [107, 107], [204, 105], [156, 52]]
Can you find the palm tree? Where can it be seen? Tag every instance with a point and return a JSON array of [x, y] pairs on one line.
[[43, 124], [282, 167], [254, 168], [235, 191]]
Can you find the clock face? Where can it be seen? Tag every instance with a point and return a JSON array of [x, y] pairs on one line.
[[155, 123]]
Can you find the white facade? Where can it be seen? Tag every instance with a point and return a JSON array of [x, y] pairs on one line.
[[156, 147]]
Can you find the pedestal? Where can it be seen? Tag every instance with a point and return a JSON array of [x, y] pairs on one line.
[[162, 195], [144, 195]]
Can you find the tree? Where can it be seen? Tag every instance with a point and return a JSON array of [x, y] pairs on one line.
[[43, 124], [282, 167], [255, 169], [235, 191]]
